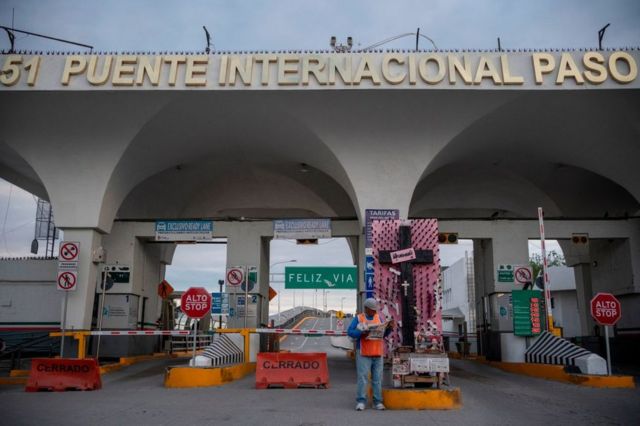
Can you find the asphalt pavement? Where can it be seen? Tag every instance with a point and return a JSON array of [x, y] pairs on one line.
[[295, 343], [136, 396]]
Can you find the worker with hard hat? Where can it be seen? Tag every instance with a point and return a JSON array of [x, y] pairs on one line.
[[369, 352]]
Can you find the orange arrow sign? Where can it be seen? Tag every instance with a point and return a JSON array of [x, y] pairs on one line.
[[164, 289], [272, 294]]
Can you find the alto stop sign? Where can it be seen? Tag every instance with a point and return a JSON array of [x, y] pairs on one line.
[[196, 302], [605, 309]]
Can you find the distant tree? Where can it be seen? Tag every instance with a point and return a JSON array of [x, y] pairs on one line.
[[553, 259]]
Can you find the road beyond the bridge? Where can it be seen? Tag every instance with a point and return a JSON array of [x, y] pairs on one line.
[[135, 395]]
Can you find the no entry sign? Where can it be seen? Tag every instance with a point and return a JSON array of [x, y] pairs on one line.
[[69, 251], [523, 274], [605, 309], [67, 280], [235, 276], [195, 302]]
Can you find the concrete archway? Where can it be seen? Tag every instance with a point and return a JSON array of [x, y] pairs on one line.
[[549, 150], [220, 149]]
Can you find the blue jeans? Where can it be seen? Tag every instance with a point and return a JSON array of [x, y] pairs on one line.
[[364, 366]]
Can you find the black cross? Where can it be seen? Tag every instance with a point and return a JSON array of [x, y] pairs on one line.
[[406, 278]]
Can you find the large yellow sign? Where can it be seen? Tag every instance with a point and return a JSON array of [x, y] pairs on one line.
[[258, 70]]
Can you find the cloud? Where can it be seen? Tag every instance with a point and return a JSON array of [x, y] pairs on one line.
[[17, 220], [159, 25]]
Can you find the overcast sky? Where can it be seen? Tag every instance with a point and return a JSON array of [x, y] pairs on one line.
[[158, 25]]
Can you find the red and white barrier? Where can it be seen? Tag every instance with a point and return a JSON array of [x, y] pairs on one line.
[[143, 333], [301, 331]]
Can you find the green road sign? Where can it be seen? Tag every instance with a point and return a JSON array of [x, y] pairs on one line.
[[320, 277], [528, 313], [505, 274]]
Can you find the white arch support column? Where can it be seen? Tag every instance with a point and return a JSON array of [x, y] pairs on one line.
[[248, 245], [80, 303], [508, 246]]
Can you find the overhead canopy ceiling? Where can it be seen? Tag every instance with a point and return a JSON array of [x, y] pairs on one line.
[[482, 153]]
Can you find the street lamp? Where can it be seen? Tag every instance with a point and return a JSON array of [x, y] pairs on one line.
[[282, 290], [342, 303]]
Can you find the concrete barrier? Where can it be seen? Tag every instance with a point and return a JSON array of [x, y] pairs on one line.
[[557, 373], [422, 399], [194, 377]]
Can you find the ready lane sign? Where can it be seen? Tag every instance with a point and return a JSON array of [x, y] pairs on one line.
[[320, 277], [67, 280], [301, 229], [184, 230]]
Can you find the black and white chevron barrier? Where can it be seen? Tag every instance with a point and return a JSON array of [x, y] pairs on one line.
[[551, 349], [223, 351]]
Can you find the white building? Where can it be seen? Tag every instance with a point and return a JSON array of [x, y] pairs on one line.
[[458, 306]]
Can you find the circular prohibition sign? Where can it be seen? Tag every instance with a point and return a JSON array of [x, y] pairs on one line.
[[523, 275], [69, 251], [66, 280], [235, 276]]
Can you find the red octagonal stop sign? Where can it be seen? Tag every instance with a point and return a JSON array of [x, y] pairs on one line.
[[605, 309], [196, 302]]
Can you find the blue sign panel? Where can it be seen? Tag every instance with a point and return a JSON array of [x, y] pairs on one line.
[[184, 230], [220, 305], [372, 214], [368, 264], [368, 282]]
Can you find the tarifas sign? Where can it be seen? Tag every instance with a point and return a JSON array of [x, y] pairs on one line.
[[317, 70]]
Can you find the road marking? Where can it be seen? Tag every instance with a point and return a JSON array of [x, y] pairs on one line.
[[283, 338], [307, 338]]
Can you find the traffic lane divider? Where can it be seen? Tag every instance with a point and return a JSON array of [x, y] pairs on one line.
[[422, 399], [62, 374], [195, 377], [557, 373], [16, 377], [292, 370], [131, 360], [13, 380]]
